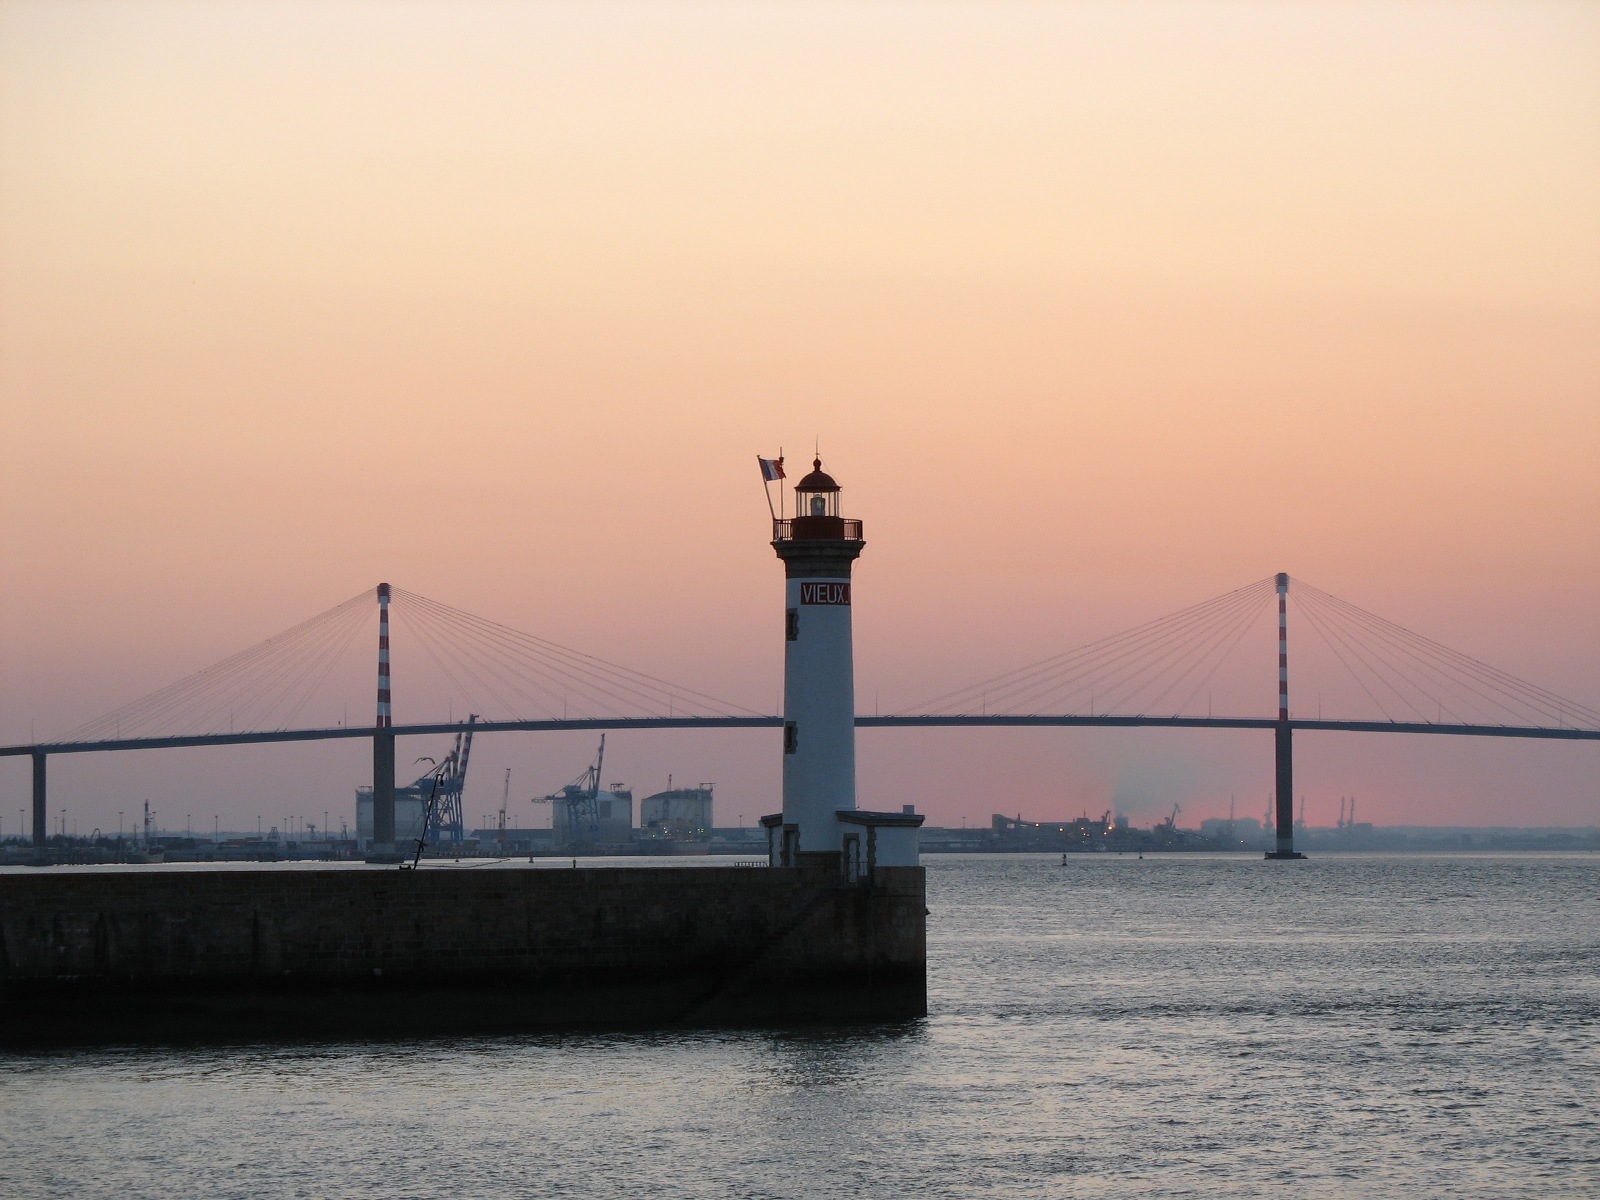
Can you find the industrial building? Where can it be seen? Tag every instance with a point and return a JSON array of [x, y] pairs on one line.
[[677, 815], [430, 808], [585, 817], [591, 819], [409, 805]]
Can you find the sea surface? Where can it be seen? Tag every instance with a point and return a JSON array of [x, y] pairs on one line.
[[1176, 1025]]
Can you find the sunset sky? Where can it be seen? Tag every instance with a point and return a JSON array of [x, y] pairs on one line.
[[1095, 310]]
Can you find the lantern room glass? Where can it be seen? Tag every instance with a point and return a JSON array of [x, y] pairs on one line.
[[816, 504]]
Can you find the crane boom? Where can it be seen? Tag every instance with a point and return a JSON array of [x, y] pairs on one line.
[[466, 749]]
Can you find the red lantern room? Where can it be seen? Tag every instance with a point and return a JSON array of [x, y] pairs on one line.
[[816, 510]]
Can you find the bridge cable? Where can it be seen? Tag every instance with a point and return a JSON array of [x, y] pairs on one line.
[[1202, 643], [1143, 651], [1380, 651], [1460, 670], [1090, 666], [1314, 621], [1139, 654], [1142, 664], [1448, 671], [477, 645], [518, 660], [254, 686], [205, 693], [1246, 620]]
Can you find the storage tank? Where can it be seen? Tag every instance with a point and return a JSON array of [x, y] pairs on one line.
[[677, 814]]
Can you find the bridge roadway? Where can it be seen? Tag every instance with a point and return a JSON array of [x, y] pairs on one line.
[[1282, 731], [966, 720]]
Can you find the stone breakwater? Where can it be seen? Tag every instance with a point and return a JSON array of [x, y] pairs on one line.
[[162, 955]]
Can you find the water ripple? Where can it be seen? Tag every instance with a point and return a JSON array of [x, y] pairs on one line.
[[1358, 1026]]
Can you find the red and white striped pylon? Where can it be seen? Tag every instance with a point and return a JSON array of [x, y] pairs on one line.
[[385, 717], [1283, 645]]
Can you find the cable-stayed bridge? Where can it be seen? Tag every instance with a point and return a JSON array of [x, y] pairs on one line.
[[1153, 675]]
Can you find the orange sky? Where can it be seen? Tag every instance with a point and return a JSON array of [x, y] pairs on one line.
[[1097, 309]]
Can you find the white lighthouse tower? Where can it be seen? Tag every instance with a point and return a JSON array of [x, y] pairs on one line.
[[820, 824]]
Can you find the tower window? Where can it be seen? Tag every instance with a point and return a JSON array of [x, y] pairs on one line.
[[791, 737], [792, 625]]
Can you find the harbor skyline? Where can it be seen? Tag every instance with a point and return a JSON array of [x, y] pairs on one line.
[[1094, 310]]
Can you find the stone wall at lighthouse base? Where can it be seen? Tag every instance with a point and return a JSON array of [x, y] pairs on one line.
[[148, 954]]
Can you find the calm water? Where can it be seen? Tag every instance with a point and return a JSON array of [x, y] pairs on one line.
[[1173, 1026]]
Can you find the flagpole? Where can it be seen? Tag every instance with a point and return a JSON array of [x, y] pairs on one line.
[[772, 471], [766, 489]]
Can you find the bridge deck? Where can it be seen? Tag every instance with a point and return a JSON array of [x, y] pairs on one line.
[[969, 720]]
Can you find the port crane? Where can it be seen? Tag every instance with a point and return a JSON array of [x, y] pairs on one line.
[[582, 800], [441, 788]]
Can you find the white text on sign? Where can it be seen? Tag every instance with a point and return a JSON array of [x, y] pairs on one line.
[[824, 593]]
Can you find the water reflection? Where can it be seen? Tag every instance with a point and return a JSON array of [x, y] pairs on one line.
[[1113, 1028]]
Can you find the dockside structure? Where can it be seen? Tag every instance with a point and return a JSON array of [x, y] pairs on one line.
[[160, 954]]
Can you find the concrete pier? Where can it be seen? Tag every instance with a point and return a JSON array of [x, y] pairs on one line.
[[171, 955]]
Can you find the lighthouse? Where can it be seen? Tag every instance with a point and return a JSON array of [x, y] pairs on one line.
[[820, 825], [818, 548]]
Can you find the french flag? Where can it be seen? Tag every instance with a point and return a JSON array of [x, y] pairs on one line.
[[771, 468]]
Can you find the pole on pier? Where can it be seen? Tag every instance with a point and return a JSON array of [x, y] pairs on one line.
[[1283, 736], [383, 739], [38, 800]]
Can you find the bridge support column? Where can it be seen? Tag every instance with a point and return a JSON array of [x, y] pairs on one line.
[[383, 790], [39, 808], [1284, 735], [1283, 812], [382, 848]]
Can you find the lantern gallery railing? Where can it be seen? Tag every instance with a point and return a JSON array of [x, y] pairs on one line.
[[806, 529]]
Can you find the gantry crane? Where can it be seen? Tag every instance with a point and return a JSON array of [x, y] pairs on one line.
[[582, 800], [441, 789]]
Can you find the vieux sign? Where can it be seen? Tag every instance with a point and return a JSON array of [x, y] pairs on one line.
[[825, 593]]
